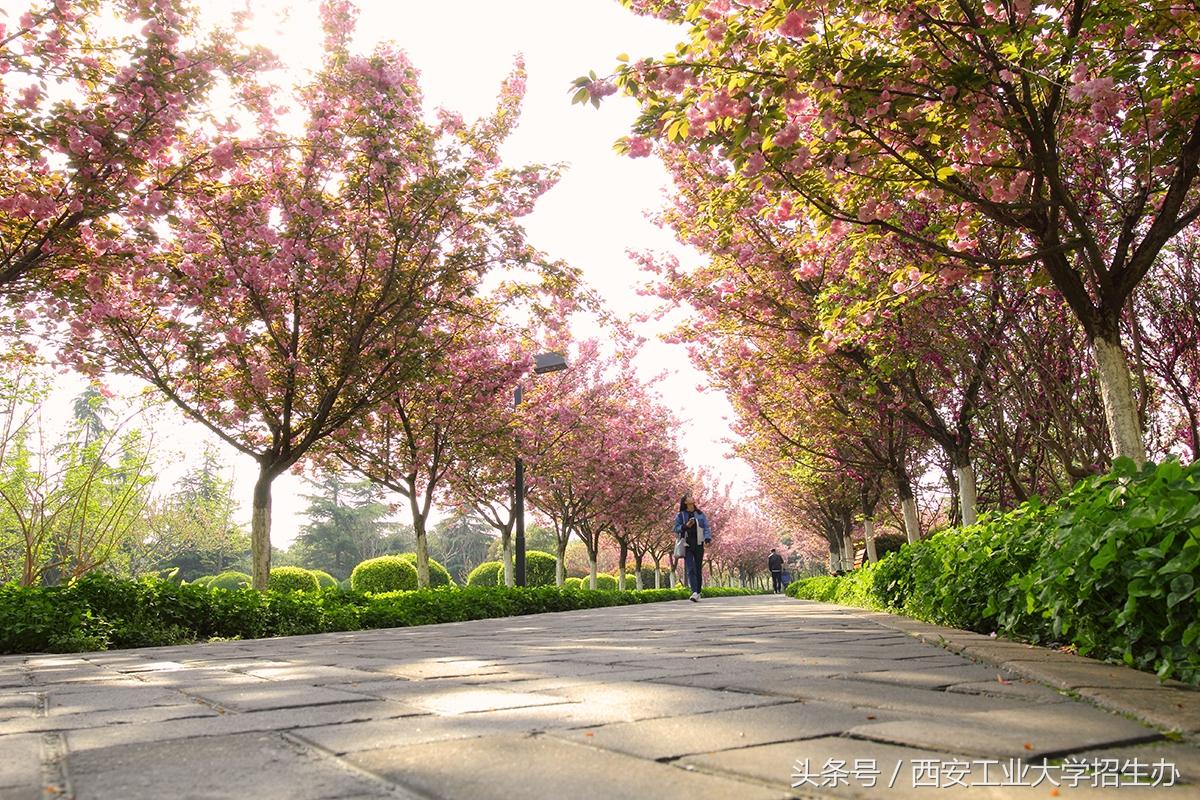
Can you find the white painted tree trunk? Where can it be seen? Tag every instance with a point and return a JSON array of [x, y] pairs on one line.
[[422, 558], [560, 565], [592, 578], [869, 535], [260, 532], [506, 554], [847, 553], [418, 519], [967, 496], [912, 526], [1116, 392]]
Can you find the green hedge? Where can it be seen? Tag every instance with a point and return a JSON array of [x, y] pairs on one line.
[[324, 579], [292, 579], [99, 611], [230, 580], [604, 583], [438, 575], [1112, 568], [489, 573], [540, 568], [384, 574], [572, 583]]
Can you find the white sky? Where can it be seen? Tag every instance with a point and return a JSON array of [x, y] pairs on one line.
[[463, 51]]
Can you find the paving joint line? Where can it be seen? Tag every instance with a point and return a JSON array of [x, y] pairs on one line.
[[395, 789], [56, 780]]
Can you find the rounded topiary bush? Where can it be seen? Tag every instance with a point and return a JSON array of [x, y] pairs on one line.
[[230, 580], [384, 574], [489, 573], [630, 581], [540, 568], [345, 585], [438, 575], [324, 579], [604, 582], [292, 579], [203, 580], [573, 583]]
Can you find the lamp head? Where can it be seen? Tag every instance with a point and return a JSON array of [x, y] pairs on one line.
[[548, 362]]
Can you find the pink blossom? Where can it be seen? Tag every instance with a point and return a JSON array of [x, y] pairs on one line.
[[796, 25]]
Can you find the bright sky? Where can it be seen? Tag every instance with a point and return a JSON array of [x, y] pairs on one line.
[[597, 212]]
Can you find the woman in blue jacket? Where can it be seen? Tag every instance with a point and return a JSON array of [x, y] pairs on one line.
[[691, 526]]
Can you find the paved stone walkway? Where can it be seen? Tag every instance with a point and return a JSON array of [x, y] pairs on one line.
[[730, 698]]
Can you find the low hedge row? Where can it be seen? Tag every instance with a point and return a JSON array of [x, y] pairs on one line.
[[1112, 568], [99, 612]]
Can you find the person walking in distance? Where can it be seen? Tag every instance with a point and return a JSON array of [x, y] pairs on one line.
[[775, 565], [692, 531]]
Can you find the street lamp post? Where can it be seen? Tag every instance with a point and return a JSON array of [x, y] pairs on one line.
[[542, 363]]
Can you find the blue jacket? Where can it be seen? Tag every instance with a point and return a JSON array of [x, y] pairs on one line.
[[701, 523]]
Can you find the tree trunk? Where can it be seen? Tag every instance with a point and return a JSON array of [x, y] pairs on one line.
[[912, 526], [967, 496], [418, 520], [1116, 392], [835, 557], [657, 575], [560, 563], [592, 564], [506, 549], [260, 530], [621, 566], [637, 572], [869, 536], [422, 556]]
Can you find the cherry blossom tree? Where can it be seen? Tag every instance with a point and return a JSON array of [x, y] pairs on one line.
[[1073, 125], [421, 432], [304, 278], [94, 99]]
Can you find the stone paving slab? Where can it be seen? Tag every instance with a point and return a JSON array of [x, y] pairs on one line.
[[667, 738], [1014, 732], [547, 768], [259, 765], [716, 699], [20, 766], [1169, 704]]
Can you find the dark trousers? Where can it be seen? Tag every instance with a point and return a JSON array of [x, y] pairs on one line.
[[693, 564], [777, 582]]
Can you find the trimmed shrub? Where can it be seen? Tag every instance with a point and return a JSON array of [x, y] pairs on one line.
[[604, 582], [438, 575], [539, 568], [384, 574], [489, 573], [345, 585], [324, 579], [230, 580], [203, 580], [573, 583], [292, 579]]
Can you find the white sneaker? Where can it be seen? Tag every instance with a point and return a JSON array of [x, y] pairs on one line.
[[695, 598]]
